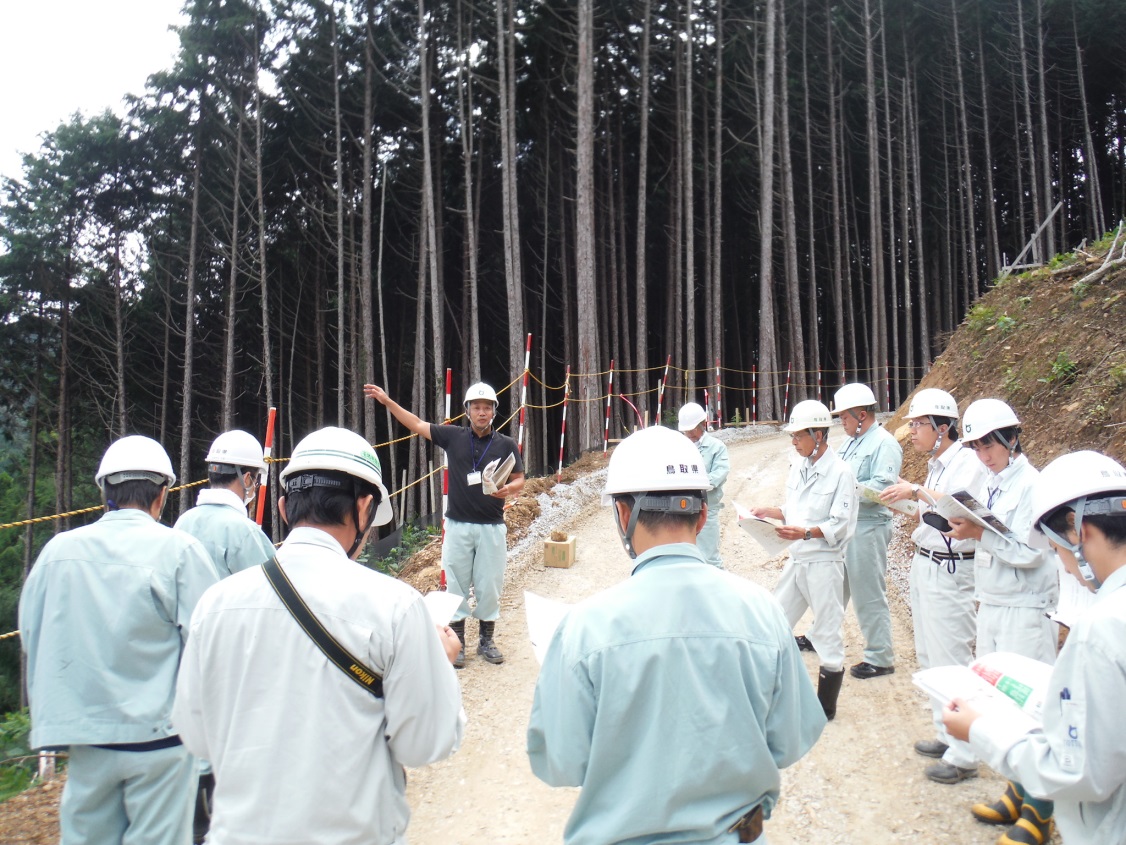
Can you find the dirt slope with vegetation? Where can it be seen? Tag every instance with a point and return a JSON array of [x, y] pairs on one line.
[[1052, 343]]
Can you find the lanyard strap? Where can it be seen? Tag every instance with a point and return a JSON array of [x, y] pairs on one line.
[[477, 461], [334, 651]]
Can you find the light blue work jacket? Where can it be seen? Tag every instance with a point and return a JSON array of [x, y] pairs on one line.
[[876, 458], [234, 541], [673, 699], [104, 616], [718, 465]]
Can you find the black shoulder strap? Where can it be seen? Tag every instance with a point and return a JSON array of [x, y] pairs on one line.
[[334, 651]]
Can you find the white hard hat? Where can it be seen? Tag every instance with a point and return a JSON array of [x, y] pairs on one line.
[[1080, 480], [480, 390], [986, 415], [1072, 477], [691, 415], [932, 402], [809, 414], [237, 448], [135, 457], [652, 460], [853, 395], [340, 450]]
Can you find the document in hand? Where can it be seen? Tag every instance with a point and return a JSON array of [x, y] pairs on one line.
[[964, 506], [1002, 682], [544, 616], [871, 494], [441, 605], [496, 473], [762, 530]]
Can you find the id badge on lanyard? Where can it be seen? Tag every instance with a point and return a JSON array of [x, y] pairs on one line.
[[473, 478]]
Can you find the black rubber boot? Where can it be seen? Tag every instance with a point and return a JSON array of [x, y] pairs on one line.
[[1005, 810], [486, 648], [459, 629], [828, 688], [202, 821]]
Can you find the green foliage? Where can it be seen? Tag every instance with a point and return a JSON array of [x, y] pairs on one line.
[[1024, 301], [17, 761], [1118, 375], [1006, 323], [981, 317], [736, 418], [1080, 289], [413, 539], [1061, 260], [1063, 370], [1012, 382]]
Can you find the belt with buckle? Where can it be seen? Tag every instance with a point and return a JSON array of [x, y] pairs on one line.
[[945, 556], [749, 825]]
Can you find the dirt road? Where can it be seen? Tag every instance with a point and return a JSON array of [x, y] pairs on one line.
[[862, 783]]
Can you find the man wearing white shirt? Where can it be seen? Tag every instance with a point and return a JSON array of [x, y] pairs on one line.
[[942, 571], [820, 515], [301, 752]]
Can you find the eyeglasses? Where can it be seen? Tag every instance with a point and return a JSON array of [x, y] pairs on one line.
[[917, 424]]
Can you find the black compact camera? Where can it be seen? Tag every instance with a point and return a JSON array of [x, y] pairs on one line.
[[936, 521]]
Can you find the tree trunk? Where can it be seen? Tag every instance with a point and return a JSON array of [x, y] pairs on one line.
[[465, 109], [340, 257], [189, 333], [513, 270], [641, 293], [789, 214], [767, 339], [228, 405], [586, 294]]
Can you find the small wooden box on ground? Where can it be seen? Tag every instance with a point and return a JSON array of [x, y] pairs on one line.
[[559, 553]]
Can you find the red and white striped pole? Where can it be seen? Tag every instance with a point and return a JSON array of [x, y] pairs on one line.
[[754, 395], [524, 394], [446, 466], [887, 377], [661, 389], [264, 475], [563, 428], [707, 409], [786, 403], [609, 396], [718, 402]]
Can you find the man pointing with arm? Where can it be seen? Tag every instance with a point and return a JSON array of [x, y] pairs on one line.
[[475, 550]]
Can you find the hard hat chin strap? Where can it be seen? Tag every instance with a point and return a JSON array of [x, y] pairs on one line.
[[626, 534], [938, 441], [1075, 548]]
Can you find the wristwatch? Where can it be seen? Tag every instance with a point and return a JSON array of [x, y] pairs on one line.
[[915, 492], [809, 534]]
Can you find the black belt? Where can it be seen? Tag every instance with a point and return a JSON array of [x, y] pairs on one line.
[[152, 745], [945, 555]]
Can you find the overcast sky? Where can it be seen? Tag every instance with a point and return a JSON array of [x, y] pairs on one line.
[[62, 56]]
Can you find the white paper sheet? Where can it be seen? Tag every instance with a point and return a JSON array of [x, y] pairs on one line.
[[964, 506], [871, 494], [496, 474], [762, 530], [544, 616], [442, 606], [1009, 684]]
